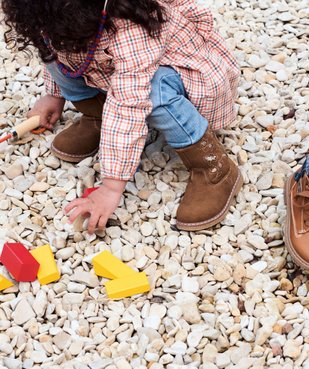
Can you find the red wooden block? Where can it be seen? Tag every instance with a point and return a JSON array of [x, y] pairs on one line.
[[19, 262], [88, 191]]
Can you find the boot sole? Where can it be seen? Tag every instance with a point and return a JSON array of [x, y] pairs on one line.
[[70, 158], [298, 260], [217, 219]]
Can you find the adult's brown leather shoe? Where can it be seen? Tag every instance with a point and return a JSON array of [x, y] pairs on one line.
[[296, 229], [214, 181], [81, 139]]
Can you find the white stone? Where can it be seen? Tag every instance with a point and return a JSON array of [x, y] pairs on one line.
[[146, 229], [5, 106], [52, 162], [242, 224], [89, 279], [190, 284], [38, 356], [194, 338], [62, 340], [285, 16], [39, 187], [14, 171], [177, 348], [282, 75], [291, 349], [259, 265], [257, 241], [184, 241], [274, 66], [263, 334], [23, 312], [12, 363], [265, 120], [256, 62], [223, 359], [73, 298], [265, 181], [127, 253], [65, 253]]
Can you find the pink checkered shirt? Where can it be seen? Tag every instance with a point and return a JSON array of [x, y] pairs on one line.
[[125, 63]]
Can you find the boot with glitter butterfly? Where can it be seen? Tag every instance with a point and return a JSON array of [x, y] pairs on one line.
[[213, 184]]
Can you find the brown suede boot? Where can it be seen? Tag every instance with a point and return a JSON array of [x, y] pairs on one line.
[[81, 139], [296, 230], [214, 182]]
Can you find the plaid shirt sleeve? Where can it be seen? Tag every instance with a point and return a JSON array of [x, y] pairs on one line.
[[198, 14], [50, 85], [136, 58]]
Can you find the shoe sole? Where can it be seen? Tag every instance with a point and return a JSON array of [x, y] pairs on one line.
[[218, 218], [70, 158], [298, 260]]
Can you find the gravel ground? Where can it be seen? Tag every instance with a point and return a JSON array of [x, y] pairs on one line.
[[229, 297]]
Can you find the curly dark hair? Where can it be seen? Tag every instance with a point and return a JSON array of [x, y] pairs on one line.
[[71, 24]]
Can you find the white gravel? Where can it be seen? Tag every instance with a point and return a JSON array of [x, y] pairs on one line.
[[225, 298]]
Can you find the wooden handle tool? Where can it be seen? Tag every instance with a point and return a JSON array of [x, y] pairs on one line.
[[26, 126]]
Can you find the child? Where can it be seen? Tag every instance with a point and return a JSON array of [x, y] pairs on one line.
[[126, 64]]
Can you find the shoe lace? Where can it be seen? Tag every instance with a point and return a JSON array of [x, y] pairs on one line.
[[302, 196]]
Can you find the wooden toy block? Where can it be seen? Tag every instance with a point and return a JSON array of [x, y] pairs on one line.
[[5, 283], [88, 191], [130, 285], [19, 262], [108, 266], [48, 271]]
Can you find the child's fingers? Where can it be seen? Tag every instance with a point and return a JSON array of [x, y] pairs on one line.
[[74, 204], [44, 120], [93, 221], [79, 210], [102, 222], [53, 119]]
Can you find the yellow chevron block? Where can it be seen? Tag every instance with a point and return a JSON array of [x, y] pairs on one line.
[[5, 283], [48, 271], [127, 286], [108, 266]]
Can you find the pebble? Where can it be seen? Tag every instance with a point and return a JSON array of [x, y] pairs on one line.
[[23, 312], [221, 274], [190, 285], [66, 253], [14, 171], [5, 106], [73, 298], [62, 340], [89, 279], [265, 181], [39, 187], [127, 253], [257, 241], [147, 229]]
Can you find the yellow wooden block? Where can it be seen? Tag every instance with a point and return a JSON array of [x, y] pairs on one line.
[[127, 286], [108, 266], [48, 271], [5, 283]]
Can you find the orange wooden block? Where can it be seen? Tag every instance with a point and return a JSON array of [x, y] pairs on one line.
[[108, 266], [130, 285], [48, 271], [5, 283]]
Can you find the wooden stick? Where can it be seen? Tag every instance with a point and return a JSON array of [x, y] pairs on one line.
[[27, 126]]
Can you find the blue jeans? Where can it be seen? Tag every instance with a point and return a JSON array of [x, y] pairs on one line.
[[172, 114]]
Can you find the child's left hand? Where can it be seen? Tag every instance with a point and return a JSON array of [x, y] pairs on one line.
[[99, 205]]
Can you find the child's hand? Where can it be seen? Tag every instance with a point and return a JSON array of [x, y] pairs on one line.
[[99, 205], [49, 108]]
